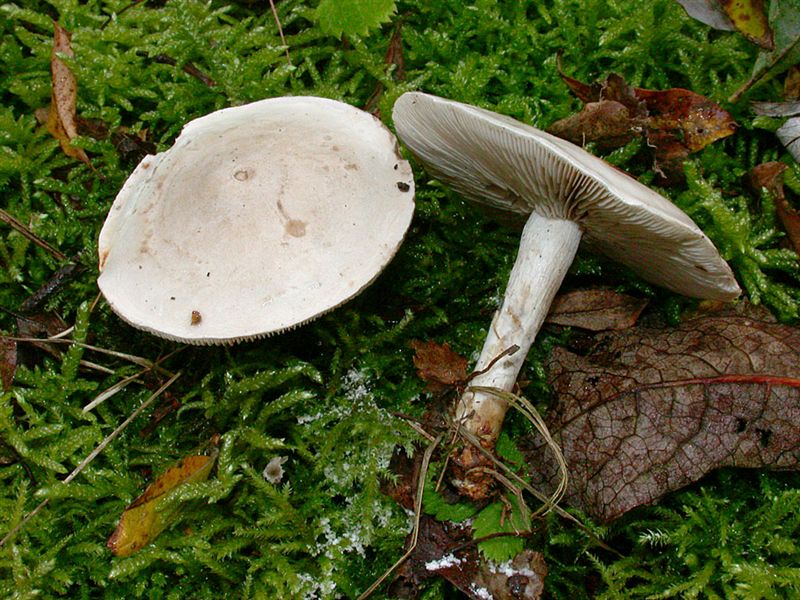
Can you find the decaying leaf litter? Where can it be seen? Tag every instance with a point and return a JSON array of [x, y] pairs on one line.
[[348, 386]]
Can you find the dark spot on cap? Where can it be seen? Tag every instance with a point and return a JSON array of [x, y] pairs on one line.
[[403, 186], [196, 317]]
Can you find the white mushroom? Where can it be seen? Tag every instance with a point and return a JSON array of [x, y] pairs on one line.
[[570, 195], [258, 219]]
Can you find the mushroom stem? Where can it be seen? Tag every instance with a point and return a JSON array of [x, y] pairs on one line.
[[546, 251]]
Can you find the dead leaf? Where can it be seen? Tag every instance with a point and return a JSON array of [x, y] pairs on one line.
[[653, 409], [438, 365], [41, 325], [596, 310], [784, 17], [791, 85], [8, 362], [523, 577], [64, 97], [606, 123], [750, 19], [770, 176], [708, 12], [673, 122], [144, 519], [393, 58], [55, 282]]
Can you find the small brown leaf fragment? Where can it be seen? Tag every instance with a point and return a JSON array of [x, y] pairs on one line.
[[61, 119], [770, 176], [750, 19], [438, 365], [523, 577], [791, 85], [393, 58], [607, 123], [596, 310], [41, 325], [144, 519], [8, 361], [653, 409]]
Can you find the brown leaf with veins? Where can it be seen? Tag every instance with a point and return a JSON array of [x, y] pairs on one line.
[[596, 310], [652, 409], [438, 365], [64, 97], [770, 176], [674, 122]]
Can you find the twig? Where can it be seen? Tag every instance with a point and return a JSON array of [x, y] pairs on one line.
[[280, 30], [92, 455], [27, 233], [423, 474]]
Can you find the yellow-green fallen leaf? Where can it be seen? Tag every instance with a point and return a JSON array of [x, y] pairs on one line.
[[143, 520], [750, 19]]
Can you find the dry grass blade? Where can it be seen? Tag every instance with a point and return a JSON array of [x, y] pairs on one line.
[[529, 412], [137, 360], [92, 455], [423, 473], [123, 383]]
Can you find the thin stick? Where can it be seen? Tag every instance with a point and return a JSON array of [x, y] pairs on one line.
[[27, 233], [280, 30], [423, 475], [92, 455], [137, 360], [756, 77]]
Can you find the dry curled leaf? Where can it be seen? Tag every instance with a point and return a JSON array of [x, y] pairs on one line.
[[673, 122], [61, 119], [653, 409], [438, 365], [144, 519], [596, 310]]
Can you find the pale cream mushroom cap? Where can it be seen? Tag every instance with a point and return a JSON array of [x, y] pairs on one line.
[[496, 160], [258, 219]]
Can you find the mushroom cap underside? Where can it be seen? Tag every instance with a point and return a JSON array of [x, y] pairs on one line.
[[258, 219], [495, 160]]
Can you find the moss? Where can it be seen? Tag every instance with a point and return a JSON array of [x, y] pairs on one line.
[[325, 395]]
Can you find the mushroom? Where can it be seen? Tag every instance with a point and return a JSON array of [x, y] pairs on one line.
[[569, 195], [259, 218]]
